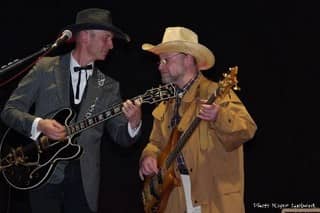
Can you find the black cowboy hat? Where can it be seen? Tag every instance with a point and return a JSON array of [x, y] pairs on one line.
[[96, 19]]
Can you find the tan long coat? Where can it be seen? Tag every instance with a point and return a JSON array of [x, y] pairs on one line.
[[213, 154]]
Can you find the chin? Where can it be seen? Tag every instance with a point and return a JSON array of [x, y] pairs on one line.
[[101, 58], [165, 80]]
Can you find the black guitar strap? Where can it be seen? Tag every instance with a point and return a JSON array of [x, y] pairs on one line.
[[176, 119]]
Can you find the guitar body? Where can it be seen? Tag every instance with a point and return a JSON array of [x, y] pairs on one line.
[[157, 188], [28, 164]]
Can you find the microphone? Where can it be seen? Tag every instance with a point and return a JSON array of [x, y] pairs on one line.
[[66, 35]]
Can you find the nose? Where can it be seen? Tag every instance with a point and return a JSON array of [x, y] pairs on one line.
[[161, 68], [110, 44]]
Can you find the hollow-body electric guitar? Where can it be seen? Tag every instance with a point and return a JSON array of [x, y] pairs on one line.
[[27, 164]]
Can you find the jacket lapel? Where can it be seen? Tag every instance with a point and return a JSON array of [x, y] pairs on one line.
[[91, 95], [62, 75], [187, 109]]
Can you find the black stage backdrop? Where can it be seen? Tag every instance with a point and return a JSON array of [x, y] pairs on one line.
[[275, 45]]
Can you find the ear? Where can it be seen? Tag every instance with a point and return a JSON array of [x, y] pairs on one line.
[[190, 59]]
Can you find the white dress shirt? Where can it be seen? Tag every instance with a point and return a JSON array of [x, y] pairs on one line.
[[85, 74]]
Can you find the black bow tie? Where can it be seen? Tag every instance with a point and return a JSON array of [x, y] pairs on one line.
[[78, 69], [87, 67]]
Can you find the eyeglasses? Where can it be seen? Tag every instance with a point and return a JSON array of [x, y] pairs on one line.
[[164, 61]]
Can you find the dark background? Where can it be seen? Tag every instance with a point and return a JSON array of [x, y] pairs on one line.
[[275, 45]]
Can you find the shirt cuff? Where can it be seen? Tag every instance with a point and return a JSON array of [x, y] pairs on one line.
[[34, 129], [134, 131]]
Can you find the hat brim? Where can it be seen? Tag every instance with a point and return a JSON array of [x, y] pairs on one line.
[[89, 26], [204, 57]]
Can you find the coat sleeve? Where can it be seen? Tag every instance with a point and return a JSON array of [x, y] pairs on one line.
[[117, 127], [16, 111], [234, 125], [156, 138]]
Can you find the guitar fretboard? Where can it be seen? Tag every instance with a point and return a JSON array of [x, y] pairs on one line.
[[151, 96], [97, 119]]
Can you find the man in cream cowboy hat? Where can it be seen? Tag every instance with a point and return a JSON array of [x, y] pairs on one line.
[[73, 81], [208, 172]]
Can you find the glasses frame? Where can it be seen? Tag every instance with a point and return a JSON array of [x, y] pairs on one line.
[[165, 60]]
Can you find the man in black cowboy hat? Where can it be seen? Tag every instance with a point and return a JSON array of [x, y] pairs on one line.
[[73, 81]]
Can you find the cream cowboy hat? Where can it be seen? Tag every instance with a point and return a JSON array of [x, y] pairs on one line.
[[181, 39]]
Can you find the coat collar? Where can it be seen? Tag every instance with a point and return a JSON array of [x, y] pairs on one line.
[[190, 95]]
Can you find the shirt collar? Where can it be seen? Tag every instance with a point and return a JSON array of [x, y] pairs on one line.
[[74, 63]]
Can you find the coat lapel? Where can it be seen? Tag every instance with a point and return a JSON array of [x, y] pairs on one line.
[[189, 105], [62, 75], [201, 86], [93, 91]]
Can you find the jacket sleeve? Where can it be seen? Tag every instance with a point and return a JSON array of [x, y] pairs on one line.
[[15, 113], [156, 139], [117, 127], [234, 125]]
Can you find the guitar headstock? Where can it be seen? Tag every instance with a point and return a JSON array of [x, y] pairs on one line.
[[228, 82], [158, 94]]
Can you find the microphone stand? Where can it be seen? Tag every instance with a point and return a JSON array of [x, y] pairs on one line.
[[5, 69]]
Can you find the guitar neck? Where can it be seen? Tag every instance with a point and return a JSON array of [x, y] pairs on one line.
[[98, 118], [151, 96], [186, 135]]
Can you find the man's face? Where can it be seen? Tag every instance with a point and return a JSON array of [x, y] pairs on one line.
[[171, 67], [99, 43]]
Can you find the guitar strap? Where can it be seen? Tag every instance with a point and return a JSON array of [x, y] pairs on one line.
[[203, 126], [176, 118]]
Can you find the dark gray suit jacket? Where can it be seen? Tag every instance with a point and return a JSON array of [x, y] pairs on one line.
[[47, 86]]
